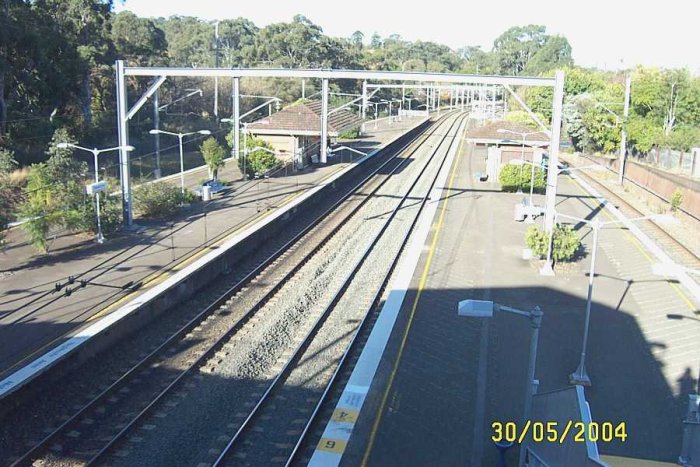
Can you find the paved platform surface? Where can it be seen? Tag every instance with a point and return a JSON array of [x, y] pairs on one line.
[[444, 379], [32, 318]]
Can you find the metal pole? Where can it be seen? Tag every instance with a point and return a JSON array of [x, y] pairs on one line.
[[522, 162], [245, 151], [236, 116], [100, 237], [182, 166], [536, 323], [548, 267], [123, 135], [623, 141], [364, 100], [532, 180], [551, 202], [156, 125], [216, 78], [324, 120], [580, 376], [303, 89]]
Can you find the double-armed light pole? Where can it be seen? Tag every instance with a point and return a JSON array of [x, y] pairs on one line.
[[182, 158], [99, 238], [580, 375]]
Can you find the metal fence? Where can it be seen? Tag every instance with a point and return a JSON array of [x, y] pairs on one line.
[[685, 163]]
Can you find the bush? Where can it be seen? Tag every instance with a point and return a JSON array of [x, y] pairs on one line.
[[510, 178], [159, 199], [566, 242], [214, 155], [258, 161], [110, 214], [350, 134], [676, 200]]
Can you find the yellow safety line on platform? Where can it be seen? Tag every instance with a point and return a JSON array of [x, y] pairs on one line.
[[421, 286], [187, 261], [635, 241], [159, 277]]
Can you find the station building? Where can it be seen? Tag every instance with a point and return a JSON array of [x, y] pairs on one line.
[[296, 129]]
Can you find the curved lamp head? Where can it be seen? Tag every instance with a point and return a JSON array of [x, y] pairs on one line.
[[154, 132], [129, 148], [204, 132], [62, 145]]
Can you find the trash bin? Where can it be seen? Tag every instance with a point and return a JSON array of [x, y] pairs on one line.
[[519, 214], [206, 193]]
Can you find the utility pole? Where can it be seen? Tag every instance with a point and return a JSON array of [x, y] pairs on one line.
[[623, 142], [216, 78]]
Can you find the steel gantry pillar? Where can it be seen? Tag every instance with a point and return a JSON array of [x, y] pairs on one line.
[[156, 125], [554, 152], [236, 97], [123, 135], [324, 120], [364, 99]]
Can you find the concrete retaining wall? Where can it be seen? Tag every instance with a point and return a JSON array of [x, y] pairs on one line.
[[659, 182]]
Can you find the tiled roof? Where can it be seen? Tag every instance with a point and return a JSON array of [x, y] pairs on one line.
[[306, 117], [490, 132]]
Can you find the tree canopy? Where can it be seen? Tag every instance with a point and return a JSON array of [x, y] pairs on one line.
[[57, 59]]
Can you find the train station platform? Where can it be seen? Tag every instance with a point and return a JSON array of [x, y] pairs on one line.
[[35, 318], [441, 380]]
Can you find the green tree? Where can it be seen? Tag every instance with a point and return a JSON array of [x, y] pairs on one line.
[[238, 42], [138, 40], [214, 155], [258, 161], [554, 53], [7, 190], [477, 60], [55, 194], [643, 134], [298, 44], [189, 41], [356, 39], [514, 49], [86, 24]]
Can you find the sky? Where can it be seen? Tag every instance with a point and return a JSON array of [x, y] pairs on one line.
[[607, 34]]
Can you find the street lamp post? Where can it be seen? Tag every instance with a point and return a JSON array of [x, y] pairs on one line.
[[580, 376], [548, 267], [182, 157], [99, 238], [485, 309]]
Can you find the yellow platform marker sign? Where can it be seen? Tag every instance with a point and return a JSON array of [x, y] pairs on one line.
[[332, 445]]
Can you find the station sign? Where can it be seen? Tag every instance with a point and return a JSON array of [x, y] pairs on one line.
[[93, 188]]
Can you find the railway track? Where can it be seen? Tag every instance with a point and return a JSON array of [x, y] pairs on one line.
[[54, 294], [679, 252], [270, 434], [97, 426]]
